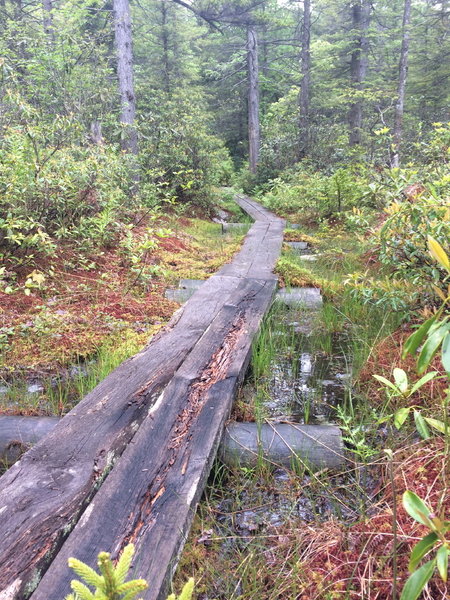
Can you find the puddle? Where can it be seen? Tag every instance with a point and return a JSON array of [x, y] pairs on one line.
[[309, 375], [47, 394]]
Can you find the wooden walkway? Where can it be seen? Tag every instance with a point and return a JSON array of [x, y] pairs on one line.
[[130, 461]]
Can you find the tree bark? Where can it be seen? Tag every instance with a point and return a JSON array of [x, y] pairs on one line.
[[253, 99], [122, 30], [358, 67], [165, 45], [305, 86], [96, 136], [49, 29], [402, 76]]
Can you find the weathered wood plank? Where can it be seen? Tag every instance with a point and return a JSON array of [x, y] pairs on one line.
[[151, 502], [46, 492]]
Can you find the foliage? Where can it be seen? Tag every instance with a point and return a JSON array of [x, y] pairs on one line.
[[435, 540], [110, 584], [304, 189], [435, 332], [53, 187], [403, 238]]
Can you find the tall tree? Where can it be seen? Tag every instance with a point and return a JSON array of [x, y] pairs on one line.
[[47, 6], [358, 67], [402, 76], [305, 86], [253, 99], [123, 39]]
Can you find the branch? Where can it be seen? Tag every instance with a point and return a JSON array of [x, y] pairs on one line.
[[208, 20]]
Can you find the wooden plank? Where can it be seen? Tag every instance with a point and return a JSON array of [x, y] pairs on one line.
[[46, 492], [151, 502]]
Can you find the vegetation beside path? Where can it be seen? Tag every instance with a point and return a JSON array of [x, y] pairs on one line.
[[274, 533], [74, 317]]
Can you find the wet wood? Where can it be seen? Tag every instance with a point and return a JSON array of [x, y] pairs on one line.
[[130, 460]]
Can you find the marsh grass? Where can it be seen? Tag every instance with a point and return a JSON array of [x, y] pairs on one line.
[[61, 393], [265, 533]]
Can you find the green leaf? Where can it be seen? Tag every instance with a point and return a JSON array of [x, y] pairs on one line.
[[417, 581], [401, 379], [446, 352], [416, 338], [387, 383], [416, 508], [439, 425], [430, 347], [81, 590], [421, 426], [438, 253], [442, 562], [400, 416], [422, 381], [420, 549]]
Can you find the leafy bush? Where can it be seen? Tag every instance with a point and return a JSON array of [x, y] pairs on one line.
[[52, 187], [303, 189], [403, 238]]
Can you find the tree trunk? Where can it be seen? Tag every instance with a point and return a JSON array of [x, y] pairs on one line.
[[122, 30], [358, 67], [48, 20], [305, 86], [96, 136], [253, 99], [402, 74], [165, 45]]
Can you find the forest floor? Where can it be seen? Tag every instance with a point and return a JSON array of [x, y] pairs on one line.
[[90, 313], [281, 534], [259, 533]]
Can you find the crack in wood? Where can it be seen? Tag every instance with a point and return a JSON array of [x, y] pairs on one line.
[[214, 372]]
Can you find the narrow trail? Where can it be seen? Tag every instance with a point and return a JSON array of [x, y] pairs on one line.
[[130, 461]]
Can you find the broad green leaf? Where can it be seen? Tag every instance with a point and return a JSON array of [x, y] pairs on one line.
[[386, 382], [430, 347], [422, 381], [442, 562], [417, 581], [439, 425], [420, 549], [438, 253], [401, 379], [446, 353], [421, 425], [416, 508], [416, 338], [400, 416]]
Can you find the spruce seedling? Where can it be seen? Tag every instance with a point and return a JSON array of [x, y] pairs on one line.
[[110, 584]]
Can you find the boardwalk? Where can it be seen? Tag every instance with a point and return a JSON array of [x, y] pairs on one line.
[[130, 461]]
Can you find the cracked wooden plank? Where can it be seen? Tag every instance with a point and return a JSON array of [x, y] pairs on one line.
[[54, 487], [150, 497]]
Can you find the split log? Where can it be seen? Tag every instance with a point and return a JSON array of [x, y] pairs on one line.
[[287, 444], [151, 502], [66, 474]]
